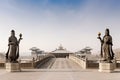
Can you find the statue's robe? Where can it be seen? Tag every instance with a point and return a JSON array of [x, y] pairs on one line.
[[107, 51], [13, 49]]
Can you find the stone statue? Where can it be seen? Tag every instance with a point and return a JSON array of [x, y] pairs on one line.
[[106, 46], [13, 48]]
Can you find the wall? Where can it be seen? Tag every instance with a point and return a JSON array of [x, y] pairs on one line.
[[26, 66], [2, 65], [92, 65]]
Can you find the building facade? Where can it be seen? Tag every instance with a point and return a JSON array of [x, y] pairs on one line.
[[61, 52]]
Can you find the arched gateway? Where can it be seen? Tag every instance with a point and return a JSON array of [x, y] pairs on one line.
[[61, 52]]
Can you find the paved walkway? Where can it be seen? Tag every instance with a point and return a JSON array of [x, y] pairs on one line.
[[62, 69], [64, 63]]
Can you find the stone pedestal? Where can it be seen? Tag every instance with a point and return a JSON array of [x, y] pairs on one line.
[[13, 67], [106, 67]]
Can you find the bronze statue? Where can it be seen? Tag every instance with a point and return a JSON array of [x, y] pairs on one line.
[[106, 46], [13, 48]]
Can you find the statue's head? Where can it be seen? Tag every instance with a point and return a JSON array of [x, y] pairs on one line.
[[107, 32], [12, 33]]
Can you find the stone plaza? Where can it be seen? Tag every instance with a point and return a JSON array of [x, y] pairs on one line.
[[62, 69]]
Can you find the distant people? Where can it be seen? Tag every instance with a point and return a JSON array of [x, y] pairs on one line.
[[13, 48], [106, 46]]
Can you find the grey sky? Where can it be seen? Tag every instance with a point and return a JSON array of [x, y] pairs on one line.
[[46, 25]]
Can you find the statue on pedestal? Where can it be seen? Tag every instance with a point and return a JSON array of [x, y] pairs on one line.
[[13, 48], [106, 47]]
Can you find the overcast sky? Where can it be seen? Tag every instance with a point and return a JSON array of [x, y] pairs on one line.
[[48, 23]]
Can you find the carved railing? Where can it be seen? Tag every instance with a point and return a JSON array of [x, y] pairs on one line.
[[80, 61]]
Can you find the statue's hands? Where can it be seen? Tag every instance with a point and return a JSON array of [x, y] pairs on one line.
[[6, 56], [99, 37], [21, 38]]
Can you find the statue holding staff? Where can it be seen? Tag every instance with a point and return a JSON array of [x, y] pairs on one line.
[[106, 46], [13, 48]]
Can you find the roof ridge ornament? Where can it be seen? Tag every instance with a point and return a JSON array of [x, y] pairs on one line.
[[61, 47]]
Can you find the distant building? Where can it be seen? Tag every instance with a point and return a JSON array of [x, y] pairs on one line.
[[36, 52], [61, 52], [117, 53], [84, 52]]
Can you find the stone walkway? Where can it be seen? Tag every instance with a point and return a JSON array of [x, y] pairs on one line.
[[64, 63], [62, 69]]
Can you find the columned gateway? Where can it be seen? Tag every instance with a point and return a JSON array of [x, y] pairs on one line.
[[61, 52]]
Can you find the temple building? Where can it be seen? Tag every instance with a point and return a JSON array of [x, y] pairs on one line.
[[36, 52], [61, 52], [85, 52]]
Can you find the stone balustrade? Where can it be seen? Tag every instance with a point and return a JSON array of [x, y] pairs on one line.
[[80, 61], [25, 64]]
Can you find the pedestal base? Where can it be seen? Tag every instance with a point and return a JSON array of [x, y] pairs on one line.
[[13, 67], [106, 67]]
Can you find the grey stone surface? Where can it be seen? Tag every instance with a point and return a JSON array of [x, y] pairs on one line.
[[65, 63], [60, 73]]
